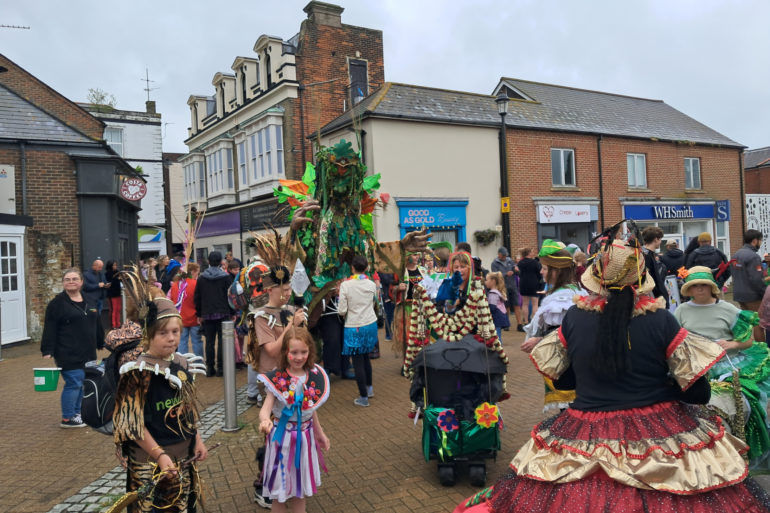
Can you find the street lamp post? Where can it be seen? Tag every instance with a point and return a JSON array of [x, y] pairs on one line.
[[505, 201]]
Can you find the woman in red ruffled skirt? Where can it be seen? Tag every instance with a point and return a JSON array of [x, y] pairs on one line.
[[634, 439]]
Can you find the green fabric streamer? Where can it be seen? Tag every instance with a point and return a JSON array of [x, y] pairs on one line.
[[744, 325], [468, 439], [309, 178]]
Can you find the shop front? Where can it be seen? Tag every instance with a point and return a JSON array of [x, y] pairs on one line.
[[218, 232], [446, 220], [570, 223], [683, 221]]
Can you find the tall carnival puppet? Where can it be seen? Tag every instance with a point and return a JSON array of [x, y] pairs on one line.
[[632, 441], [331, 220], [156, 407]]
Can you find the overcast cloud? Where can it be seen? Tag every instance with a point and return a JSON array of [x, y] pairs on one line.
[[709, 59]]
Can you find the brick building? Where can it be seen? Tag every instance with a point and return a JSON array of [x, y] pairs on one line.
[[577, 160], [756, 167], [255, 129], [59, 198]]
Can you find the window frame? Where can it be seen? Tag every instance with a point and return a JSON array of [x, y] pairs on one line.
[[692, 186], [634, 172], [118, 147], [562, 152]]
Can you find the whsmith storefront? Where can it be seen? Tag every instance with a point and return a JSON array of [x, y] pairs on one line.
[[684, 221]]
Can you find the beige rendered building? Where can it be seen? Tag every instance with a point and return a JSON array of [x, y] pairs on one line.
[[441, 169]]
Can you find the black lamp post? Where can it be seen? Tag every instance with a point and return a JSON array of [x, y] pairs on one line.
[[502, 109]]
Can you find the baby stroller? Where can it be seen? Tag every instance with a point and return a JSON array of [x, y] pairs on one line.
[[457, 385]]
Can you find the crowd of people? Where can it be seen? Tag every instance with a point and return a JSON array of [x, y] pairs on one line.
[[619, 369]]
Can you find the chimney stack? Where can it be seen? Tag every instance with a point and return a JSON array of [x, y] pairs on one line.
[[150, 107], [322, 13]]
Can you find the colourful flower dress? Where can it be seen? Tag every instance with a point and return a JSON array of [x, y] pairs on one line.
[[293, 460]]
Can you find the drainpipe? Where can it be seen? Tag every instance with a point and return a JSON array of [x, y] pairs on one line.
[[301, 126], [743, 192], [23, 150], [601, 183]]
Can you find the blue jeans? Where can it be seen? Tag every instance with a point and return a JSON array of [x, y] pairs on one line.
[[72, 394], [194, 334]]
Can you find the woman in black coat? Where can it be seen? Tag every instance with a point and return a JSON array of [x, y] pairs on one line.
[[71, 335], [529, 281]]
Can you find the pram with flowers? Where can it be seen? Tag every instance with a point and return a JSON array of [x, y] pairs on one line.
[[457, 385]]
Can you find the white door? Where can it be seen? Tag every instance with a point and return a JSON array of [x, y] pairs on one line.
[[13, 311]]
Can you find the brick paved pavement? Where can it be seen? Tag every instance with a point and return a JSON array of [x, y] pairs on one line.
[[375, 461]]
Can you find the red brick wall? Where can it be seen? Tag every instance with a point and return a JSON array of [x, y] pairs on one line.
[[33, 90], [529, 174], [53, 242], [758, 180], [323, 56]]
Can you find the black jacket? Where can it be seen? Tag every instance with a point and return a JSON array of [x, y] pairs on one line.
[[71, 334], [673, 259], [211, 292], [658, 271], [710, 257]]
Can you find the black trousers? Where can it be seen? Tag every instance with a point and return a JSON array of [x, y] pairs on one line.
[[363, 367], [331, 329], [212, 330]]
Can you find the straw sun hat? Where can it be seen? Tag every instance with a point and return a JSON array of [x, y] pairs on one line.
[[618, 266], [699, 275]]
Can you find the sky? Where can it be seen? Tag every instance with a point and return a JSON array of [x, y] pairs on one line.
[[706, 58]]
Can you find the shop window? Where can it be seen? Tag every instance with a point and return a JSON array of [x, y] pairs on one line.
[[692, 173], [563, 167], [723, 237], [637, 170]]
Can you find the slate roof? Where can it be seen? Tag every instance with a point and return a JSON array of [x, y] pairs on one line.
[[554, 107], [756, 158], [19, 119]]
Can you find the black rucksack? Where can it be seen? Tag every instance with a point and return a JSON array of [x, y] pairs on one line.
[[99, 388]]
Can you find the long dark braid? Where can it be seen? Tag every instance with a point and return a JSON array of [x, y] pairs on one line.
[[613, 339]]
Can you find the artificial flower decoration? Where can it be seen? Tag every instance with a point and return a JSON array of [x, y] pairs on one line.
[[447, 421], [487, 415], [682, 272]]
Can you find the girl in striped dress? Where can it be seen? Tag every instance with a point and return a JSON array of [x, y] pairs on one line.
[[296, 390]]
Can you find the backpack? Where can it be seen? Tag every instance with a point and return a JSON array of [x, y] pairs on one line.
[[99, 386]]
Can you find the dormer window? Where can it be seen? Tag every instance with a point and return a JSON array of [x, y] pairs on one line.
[[222, 98], [243, 84], [268, 72]]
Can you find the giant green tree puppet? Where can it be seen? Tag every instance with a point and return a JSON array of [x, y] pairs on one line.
[[331, 220]]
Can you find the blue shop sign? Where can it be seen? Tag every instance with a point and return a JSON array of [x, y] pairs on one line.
[[668, 212], [723, 210], [446, 215]]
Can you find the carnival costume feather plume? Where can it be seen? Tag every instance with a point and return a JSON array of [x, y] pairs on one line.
[[139, 291]]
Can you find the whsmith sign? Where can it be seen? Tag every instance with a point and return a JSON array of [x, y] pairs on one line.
[[719, 210]]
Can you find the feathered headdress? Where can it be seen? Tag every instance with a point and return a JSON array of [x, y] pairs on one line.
[[150, 307], [273, 250]]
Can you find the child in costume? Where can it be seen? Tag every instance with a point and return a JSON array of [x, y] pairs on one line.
[[295, 391], [156, 411], [731, 329], [559, 274], [496, 296]]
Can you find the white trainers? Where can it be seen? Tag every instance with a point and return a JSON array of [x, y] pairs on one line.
[[361, 401]]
